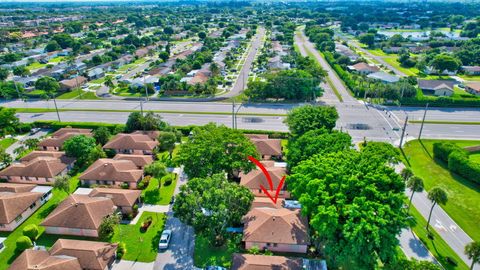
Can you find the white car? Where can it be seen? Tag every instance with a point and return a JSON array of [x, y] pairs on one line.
[[165, 239]]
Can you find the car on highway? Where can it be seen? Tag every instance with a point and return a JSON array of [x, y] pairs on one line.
[[165, 239]]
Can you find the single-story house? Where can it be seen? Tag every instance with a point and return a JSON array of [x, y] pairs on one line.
[[112, 172], [264, 262], [363, 68], [135, 143], [266, 202], [95, 73], [437, 87], [392, 49], [79, 215], [39, 167], [20, 201], [473, 88], [471, 70], [430, 70], [384, 77], [124, 199], [67, 85], [267, 148], [255, 178], [55, 142], [68, 254], [140, 160], [278, 230]]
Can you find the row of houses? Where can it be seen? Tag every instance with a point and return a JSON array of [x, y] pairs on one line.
[[373, 72]]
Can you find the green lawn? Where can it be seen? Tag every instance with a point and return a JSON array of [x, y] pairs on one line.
[[9, 254], [141, 246], [469, 78], [378, 52], [98, 81], [5, 143], [475, 157], [437, 246], [57, 59], [78, 94], [126, 67], [392, 60], [36, 65], [464, 196], [35, 93], [205, 255], [163, 196]]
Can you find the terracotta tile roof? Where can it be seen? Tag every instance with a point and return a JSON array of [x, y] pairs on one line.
[[281, 226], [41, 259], [271, 147], [91, 255], [474, 86], [131, 141], [42, 166], [139, 160], [365, 67], [63, 134], [255, 178], [12, 187], [14, 203], [120, 197], [112, 170], [81, 212], [55, 154], [263, 262], [153, 134], [266, 202], [72, 83]]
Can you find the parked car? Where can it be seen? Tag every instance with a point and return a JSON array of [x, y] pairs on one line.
[[165, 239], [215, 268], [34, 131]]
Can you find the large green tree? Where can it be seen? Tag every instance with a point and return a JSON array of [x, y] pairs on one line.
[[447, 62], [319, 141], [79, 147], [215, 149], [49, 85], [304, 118], [8, 120], [354, 204], [212, 204], [167, 141]]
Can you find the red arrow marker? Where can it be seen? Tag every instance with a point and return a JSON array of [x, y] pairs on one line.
[[269, 179]]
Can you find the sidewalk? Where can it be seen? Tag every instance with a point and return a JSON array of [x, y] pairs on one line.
[[413, 247]]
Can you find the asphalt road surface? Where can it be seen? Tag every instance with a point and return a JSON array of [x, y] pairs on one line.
[[242, 78]]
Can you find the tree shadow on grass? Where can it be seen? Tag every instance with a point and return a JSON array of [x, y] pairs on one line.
[[45, 212], [152, 196]]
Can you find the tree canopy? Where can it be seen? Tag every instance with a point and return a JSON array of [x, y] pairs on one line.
[[354, 204], [212, 204], [215, 149], [302, 119], [79, 147]]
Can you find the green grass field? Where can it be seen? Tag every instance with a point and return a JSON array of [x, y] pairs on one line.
[[392, 60], [57, 59], [78, 94], [141, 246], [475, 157], [464, 196], [8, 255], [205, 255], [161, 196], [378, 52], [470, 78], [36, 65], [5, 143]]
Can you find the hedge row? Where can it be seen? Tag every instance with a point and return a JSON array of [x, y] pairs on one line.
[[441, 102], [458, 160], [55, 125]]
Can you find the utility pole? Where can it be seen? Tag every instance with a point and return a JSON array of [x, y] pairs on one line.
[[403, 131], [423, 121], [56, 109], [233, 114]]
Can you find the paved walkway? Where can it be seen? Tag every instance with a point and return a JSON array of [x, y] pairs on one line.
[[413, 247], [20, 139]]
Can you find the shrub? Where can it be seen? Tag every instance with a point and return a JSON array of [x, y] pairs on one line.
[[31, 231], [23, 243], [168, 179], [125, 186], [460, 163], [443, 150], [121, 250]]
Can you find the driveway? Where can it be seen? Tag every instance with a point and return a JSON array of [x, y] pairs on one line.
[[22, 138], [179, 254]]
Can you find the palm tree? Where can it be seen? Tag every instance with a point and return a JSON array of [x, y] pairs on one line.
[[406, 174], [436, 195], [415, 184], [472, 251], [109, 81]]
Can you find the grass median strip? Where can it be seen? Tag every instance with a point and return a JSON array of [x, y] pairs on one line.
[[444, 122], [45, 110]]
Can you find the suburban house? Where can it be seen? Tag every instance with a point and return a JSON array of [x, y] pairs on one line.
[[263, 262], [67, 85], [55, 142], [266, 202], [267, 148], [124, 199], [430, 70], [39, 167], [134, 143], [473, 88], [140, 160], [255, 178], [437, 87], [471, 70], [79, 215], [364, 68], [20, 201], [278, 230], [68, 254], [95, 73], [111, 172], [383, 77]]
